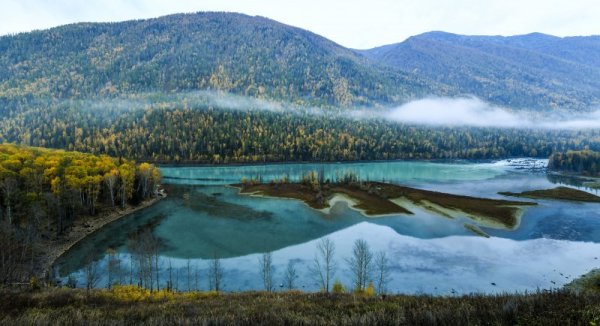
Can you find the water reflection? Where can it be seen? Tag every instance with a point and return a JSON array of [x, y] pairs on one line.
[[429, 254]]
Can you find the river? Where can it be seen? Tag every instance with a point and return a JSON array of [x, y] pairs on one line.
[[202, 217]]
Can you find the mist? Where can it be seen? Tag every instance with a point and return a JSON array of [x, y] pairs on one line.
[[473, 112], [432, 112]]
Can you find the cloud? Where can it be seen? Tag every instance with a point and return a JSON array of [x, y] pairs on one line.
[[473, 112]]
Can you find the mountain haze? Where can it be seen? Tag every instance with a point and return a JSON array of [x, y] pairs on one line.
[[534, 71]]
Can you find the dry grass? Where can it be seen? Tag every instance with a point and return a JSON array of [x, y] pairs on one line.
[[102, 307], [560, 193], [374, 199]]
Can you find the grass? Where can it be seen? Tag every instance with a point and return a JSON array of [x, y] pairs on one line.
[[375, 198], [588, 283], [499, 211], [105, 307], [560, 193], [369, 201]]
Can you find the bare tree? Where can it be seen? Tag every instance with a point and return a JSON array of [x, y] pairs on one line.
[[144, 250], [111, 179], [189, 275], [360, 264], [170, 281], [215, 273], [323, 267], [13, 250], [196, 277], [113, 267], [8, 186], [382, 272], [92, 274], [290, 275], [266, 270]]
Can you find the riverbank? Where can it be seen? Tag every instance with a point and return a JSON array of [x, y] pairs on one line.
[[55, 248], [558, 193], [374, 199]]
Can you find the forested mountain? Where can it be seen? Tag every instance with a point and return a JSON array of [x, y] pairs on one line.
[[245, 55], [127, 89], [262, 58], [534, 71]]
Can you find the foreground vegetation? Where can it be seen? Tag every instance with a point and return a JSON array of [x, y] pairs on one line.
[[44, 192], [130, 305]]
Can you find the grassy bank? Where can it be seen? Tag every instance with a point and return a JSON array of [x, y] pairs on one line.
[[134, 306], [559, 193], [376, 198]]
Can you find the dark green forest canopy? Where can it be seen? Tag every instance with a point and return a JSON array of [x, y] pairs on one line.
[[585, 163], [161, 129]]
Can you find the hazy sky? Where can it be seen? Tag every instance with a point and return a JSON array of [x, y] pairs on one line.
[[353, 23]]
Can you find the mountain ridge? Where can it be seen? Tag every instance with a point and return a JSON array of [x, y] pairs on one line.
[[253, 56], [543, 71], [263, 58]]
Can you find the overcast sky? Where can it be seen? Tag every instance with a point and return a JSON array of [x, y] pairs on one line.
[[352, 23]]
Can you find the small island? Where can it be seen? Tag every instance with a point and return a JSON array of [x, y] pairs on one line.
[[558, 193], [374, 199]]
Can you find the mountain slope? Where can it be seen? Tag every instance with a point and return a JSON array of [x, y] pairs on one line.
[[246, 55], [528, 71]]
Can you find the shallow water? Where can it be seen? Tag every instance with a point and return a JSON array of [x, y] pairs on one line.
[[203, 218]]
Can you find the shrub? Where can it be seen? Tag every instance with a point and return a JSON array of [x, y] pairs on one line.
[[338, 287]]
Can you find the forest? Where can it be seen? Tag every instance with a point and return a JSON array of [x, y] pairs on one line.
[[170, 130], [585, 163], [43, 192], [251, 56]]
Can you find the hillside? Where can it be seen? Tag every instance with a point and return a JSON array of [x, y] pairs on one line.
[[533, 71], [236, 53], [262, 58]]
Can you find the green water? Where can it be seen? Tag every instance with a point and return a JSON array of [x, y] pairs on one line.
[[203, 217]]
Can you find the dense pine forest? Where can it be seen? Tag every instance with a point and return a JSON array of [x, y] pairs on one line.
[[160, 128], [43, 192]]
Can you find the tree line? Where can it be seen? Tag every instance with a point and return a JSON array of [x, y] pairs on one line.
[[579, 162], [43, 192], [147, 269], [174, 133]]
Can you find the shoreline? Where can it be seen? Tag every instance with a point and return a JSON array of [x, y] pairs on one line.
[[83, 229], [265, 163]]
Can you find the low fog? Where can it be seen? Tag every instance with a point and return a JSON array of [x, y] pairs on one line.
[[473, 112], [434, 112]]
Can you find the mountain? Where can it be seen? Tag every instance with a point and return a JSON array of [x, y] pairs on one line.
[[534, 71], [241, 54], [262, 58]]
